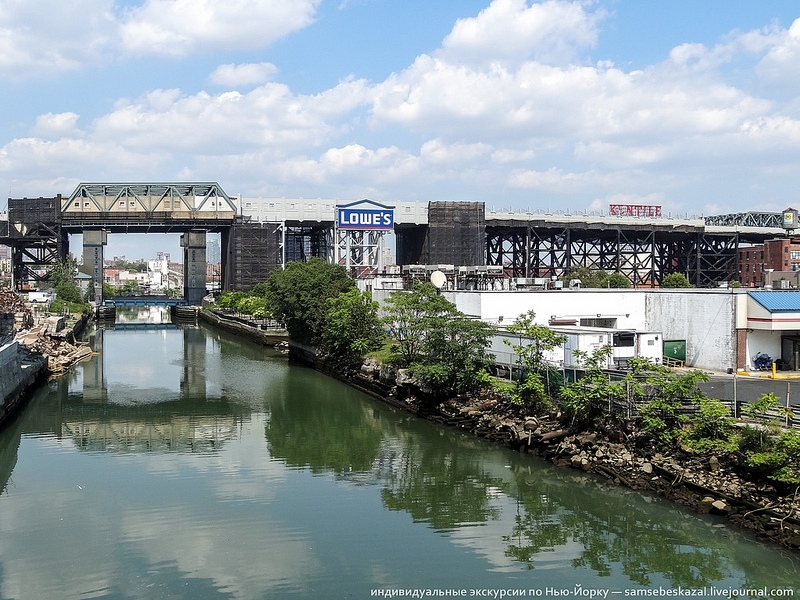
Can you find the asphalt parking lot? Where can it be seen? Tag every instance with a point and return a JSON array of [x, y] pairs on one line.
[[749, 389]]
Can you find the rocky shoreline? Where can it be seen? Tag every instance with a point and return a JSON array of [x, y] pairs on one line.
[[707, 484]]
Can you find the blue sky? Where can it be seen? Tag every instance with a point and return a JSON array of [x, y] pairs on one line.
[[694, 106]]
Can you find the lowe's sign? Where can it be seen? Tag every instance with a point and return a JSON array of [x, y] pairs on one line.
[[365, 214]]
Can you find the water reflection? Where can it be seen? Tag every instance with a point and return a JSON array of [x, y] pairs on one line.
[[205, 467]]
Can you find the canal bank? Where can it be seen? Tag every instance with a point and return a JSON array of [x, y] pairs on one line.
[[261, 334], [707, 485], [32, 354]]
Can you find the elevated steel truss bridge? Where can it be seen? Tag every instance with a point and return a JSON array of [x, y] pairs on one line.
[[261, 235]]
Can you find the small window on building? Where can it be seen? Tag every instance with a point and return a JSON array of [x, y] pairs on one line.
[[85, 205], [747, 268], [747, 254], [786, 263], [77, 205], [122, 203], [132, 204], [762, 255], [625, 340], [651, 342]]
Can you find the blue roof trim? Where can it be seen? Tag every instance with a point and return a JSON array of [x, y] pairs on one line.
[[778, 301], [365, 201]]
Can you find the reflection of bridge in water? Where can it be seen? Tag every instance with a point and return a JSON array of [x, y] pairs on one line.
[[180, 411], [138, 326], [147, 431]]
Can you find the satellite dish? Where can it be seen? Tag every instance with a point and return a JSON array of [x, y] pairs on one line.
[[438, 279]]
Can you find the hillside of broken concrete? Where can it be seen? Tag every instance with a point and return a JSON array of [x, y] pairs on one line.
[[33, 346]]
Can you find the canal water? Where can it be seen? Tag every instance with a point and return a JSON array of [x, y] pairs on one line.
[[181, 462]]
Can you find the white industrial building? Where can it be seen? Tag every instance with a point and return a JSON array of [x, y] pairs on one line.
[[720, 329]]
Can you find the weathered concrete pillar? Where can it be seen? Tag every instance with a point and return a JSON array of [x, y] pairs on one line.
[[194, 266], [93, 242]]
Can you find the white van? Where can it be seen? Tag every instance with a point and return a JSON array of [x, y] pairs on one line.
[[44, 297]]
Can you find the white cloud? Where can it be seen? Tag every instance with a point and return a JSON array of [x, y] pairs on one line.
[[780, 65], [511, 31], [247, 74], [181, 27], [50, 36], [55, 126], [507, 105]]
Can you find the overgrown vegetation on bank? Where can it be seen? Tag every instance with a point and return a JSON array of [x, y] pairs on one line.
[[446, 355]]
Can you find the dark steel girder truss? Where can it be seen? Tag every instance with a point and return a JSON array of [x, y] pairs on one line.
[[747, 219], [643, 256], [34, 252]]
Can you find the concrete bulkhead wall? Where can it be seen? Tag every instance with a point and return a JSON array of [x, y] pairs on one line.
[[15, 377]]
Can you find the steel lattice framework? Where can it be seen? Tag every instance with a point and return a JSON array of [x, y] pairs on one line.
[[643, 254], [747, 219], [148, 197]]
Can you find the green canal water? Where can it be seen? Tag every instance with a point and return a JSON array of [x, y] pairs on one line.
[[186, 463]]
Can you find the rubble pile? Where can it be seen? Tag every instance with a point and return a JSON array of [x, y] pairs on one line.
[[43, 338], [11, 303], [61, 354]]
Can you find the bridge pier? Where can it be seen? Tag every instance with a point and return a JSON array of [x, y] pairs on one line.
[[93, 242], [194, 266]]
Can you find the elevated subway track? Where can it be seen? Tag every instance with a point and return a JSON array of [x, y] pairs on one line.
[[155, 222], [644, 250], [261, 235]]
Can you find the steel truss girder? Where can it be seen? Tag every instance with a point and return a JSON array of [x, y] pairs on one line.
[[508, 248], [747, 219], [34, 253], [151, 195], [644, 256], [713, 259]]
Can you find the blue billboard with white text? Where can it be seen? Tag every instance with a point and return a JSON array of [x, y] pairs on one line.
[[366, 215]]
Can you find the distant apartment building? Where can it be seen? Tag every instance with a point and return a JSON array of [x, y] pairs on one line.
[[763, 264], [213, 252]]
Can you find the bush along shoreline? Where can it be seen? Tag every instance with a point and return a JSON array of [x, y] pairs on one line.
[[614, 450]]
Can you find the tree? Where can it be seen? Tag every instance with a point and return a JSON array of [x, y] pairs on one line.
[[298, 296], [615, 281], [586, 399], [445, 350], [675, 280], [669, 393], [352, 327], [409, 317], [534, 342], [63, 277], [456, 358], [590, 278]]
